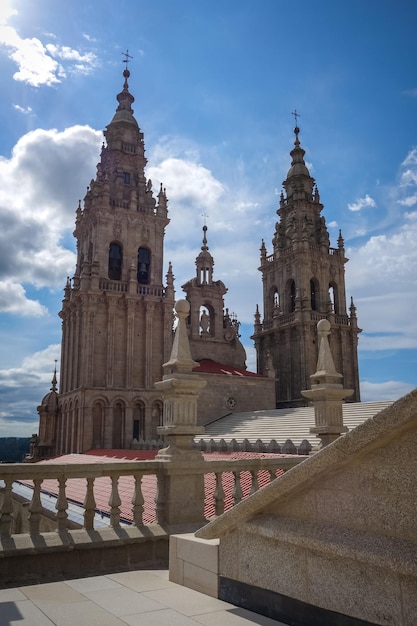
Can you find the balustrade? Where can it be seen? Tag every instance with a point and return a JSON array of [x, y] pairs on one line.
[[131, 488], [113, 285]]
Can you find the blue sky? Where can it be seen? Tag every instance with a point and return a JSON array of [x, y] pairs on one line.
[[214, 84]]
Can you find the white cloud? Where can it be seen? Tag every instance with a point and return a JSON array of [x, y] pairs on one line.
[[22, 389], [362, 203], [13, 300], [410, 201], [389, 390], [36, 61], [6, 11], [36, 67], [24, 110], [411, 158], [49, 168]]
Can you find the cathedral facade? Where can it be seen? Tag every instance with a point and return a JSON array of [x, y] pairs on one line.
[[117, 311]]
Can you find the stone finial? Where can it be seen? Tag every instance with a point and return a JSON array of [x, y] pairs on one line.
[[180, 388], [326, 370], [180, 360], [327, 393]]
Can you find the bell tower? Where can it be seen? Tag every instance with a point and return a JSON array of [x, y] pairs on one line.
[[116, 314], [303, 282], [213, 332]]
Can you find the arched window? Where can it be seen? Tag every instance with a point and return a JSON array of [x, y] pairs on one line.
[[314, 294], [144, 266], [292, 296], [97, 425], [138, 421], [115, 261], [333, 297], [206, 319], [118, 423]]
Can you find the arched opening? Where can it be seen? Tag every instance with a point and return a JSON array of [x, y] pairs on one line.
[[291, 296], [75, 444], [333, 297], [138, 421], [97, 425], [118, 419], [314, 294], [144, 266], [115, 261], [206, 319]]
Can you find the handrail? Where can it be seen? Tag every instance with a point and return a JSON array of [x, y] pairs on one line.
[[137, 502]]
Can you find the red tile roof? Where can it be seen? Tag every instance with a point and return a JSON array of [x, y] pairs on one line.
[[76, 487], [207, 366]]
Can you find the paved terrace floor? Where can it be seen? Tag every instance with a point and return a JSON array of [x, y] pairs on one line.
[[144, 597]]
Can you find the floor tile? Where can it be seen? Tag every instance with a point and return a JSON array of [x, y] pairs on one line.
[[51, 593], [11, 595], [96, 583], [23, 613], [165, 617], [85, 613], [235, 617], [186, 601], [123, 601], [140, 580]]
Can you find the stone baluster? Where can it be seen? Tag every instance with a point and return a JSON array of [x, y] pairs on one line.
[[114, 503], [89, 504], [6, 509], [62, 505], [219, 495], [255, 485], [237, 489], [35, 507], [138, 501]]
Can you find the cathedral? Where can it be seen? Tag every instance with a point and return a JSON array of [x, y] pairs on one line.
[[117, 310], [303, 282]]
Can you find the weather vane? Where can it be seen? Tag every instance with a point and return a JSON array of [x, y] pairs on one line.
[[127, 55], [295, 116]]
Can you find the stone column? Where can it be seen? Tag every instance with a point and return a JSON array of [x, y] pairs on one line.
[[327, 393], [180, 497]]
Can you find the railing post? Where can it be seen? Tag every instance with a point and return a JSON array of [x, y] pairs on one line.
[[181, 479], [6, 509], [237, 490], [137, 501], [89, 504], [35, 507], [114, 503], [62, 505], [219, 495], [255, 486]]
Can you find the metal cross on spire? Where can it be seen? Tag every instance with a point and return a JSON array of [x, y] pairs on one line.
[[295, 116], [127, 57], [205, 218]]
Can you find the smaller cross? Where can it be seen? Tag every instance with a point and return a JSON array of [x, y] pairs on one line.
[[127, 55], [205, 218], [295, 116]]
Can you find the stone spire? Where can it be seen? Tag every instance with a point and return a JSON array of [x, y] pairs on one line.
[[204, 262], [327, 392]]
